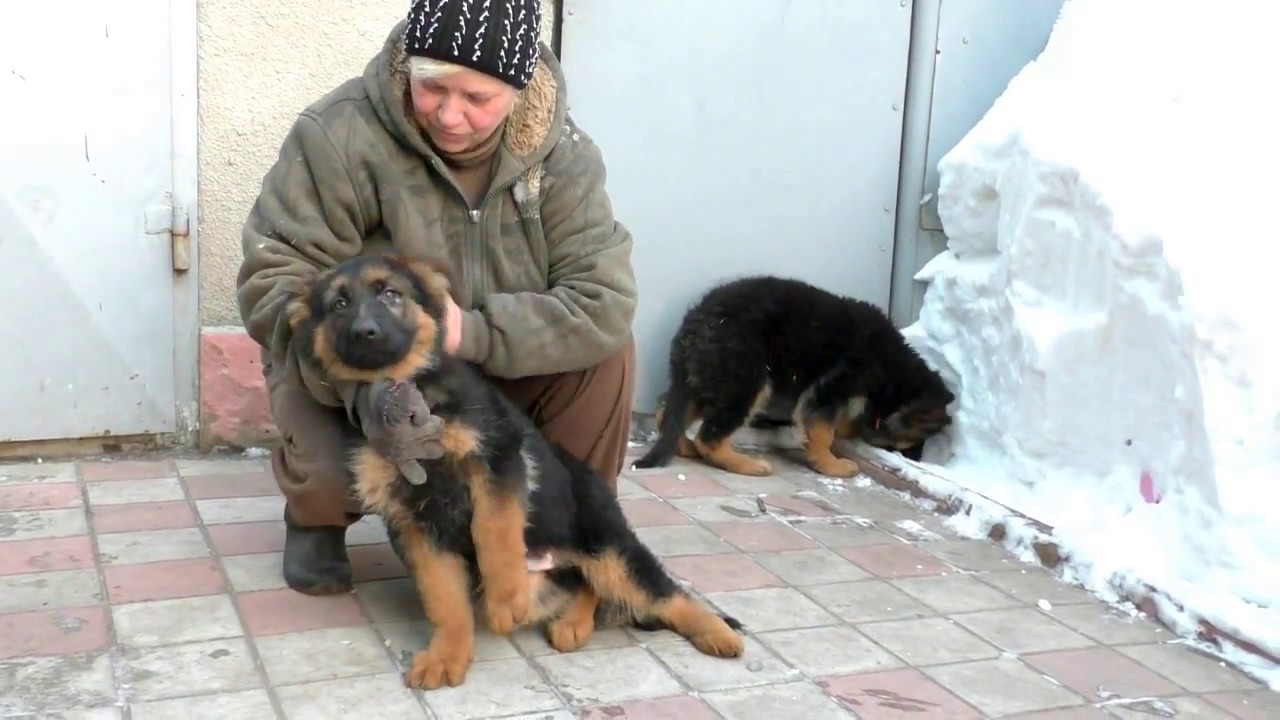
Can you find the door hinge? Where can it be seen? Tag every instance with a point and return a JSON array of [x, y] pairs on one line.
[[172, 219]]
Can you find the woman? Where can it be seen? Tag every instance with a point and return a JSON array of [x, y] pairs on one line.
[[456, 142]]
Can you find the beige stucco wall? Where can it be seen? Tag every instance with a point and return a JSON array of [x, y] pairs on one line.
[[261, 63]]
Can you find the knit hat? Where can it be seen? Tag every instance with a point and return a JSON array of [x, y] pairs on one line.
[[496, 37]]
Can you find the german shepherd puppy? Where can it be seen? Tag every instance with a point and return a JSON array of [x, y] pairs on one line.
[[499, 492], [770, 351]]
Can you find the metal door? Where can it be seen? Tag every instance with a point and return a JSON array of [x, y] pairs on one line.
[[740, 138], [86, 171]]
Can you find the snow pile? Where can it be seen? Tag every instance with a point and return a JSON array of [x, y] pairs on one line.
[[1102, 308]]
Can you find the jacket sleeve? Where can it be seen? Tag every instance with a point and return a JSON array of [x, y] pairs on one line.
[[585, 315], [307, 218]]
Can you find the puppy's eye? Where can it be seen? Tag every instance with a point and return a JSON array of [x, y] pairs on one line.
[[339, 303], [391, 293]]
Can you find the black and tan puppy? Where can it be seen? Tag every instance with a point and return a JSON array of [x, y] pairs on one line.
[[499, 493], [767, 347]]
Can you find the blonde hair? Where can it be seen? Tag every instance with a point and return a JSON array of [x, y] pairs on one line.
[[423, 68]]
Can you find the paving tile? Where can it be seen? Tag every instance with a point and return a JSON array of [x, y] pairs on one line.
[[723, 572], [770, 702], [894, 560], [226, 465], [49, 590], [810, 567], [492, 688], [347, 697], [230, 485], [326, 654], [404, 638], [36, 472], [268, 612], [761, 535], [40, 687], [1079, 712], [40, 524], [40, 496], [920, 529], [642, 512], [756, 666], [1031, 585], [1188, 668], [1109, 626], [259, 571], [390, 600], [681, 707], [719, 508], [753, 486], [679, 484], [874, 503], [375, 562], [1002, 687], [1022, 630], [843, 533], [143, 546], [595, 677], [53, 632], [896, 695], [801, 504], [678, 540], [968, 554], [93, 471], [219, 511], [169, 622], [247, 538], [1257, 705], [123, 492], [368, 531], [867, 601], [533, 642], [163, 580], [629, 489], [561, 714], [772, 609], [1097, 673], [142, 516], [196, 668], [247, 704], [829, 650], [28, 556], [929, 641], [1183, 708], [955, 593]]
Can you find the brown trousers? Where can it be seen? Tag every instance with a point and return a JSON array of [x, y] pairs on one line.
[[588, 412]]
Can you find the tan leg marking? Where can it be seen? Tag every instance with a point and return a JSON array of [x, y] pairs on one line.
[[444, 587]]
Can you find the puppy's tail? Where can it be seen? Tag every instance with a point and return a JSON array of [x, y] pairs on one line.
[[675, 414]]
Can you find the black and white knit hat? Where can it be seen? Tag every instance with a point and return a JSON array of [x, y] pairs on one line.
[[496, 37]]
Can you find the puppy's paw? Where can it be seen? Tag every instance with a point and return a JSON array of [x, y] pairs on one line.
[[444, 662]]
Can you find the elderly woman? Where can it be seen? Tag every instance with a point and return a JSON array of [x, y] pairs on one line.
[[455, 142]]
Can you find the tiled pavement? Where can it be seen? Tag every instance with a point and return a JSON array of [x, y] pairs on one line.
[[151, 589]]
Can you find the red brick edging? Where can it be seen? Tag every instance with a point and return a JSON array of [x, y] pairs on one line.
[[1147, 598]]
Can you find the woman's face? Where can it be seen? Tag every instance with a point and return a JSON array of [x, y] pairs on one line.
[[461, 110]]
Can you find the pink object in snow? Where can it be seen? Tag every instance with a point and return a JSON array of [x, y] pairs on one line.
[[1147, 487]]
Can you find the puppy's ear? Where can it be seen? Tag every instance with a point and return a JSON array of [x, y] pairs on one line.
[[437, 275], [297, 306]]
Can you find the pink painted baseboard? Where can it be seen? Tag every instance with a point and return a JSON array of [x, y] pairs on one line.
[[233, 393]]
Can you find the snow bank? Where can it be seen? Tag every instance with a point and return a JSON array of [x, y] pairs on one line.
[[1103, 309]]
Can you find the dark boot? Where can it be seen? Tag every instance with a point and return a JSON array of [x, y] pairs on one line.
[[315, 559]]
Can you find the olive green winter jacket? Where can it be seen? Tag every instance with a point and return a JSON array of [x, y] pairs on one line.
[[545, 269]]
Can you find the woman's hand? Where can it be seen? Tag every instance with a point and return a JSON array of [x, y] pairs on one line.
[[452, 326]]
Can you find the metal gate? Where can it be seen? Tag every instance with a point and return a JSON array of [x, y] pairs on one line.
[[742, 137], [86, 181]]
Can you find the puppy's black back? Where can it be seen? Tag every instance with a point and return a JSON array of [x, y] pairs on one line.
[[781, 330]]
